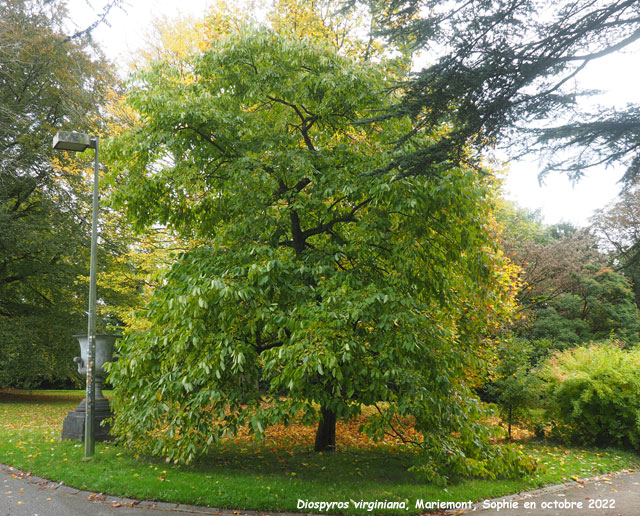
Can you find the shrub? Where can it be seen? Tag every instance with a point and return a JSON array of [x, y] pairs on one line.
[[542, 349], [514, 389], [593, 395]]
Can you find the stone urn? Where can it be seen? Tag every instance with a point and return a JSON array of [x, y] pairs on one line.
[[74, 424]]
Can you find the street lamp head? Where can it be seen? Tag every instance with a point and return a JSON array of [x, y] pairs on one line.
[[70, 141]]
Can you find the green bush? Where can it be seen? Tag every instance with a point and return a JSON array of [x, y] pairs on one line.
[[593, 395], [514, 388]]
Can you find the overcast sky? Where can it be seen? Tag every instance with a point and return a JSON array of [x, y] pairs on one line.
[[618, 77], [558, 199]]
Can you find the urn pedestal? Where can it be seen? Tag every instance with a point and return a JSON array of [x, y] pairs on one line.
[[73, 426]]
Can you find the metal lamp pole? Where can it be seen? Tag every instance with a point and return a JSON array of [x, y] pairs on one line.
[[78, 142]]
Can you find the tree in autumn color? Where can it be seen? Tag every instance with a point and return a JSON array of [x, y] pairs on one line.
[[318, 280], [568, 294], [549, 257]]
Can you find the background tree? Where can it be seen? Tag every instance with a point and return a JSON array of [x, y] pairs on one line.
[[48, 81], [568, 295], [617, 229], [315, 274], [599, 304], [548, 256], [495, 68]]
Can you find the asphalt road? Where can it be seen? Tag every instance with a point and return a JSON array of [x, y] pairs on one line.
[[607, 495]]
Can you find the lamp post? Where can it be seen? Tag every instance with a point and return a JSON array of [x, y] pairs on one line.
[[78, 142]]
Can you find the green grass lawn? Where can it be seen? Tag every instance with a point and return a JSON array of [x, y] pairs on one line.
[[253, 475]]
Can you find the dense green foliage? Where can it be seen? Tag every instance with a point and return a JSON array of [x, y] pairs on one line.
[[339, 245], [47, 82], [568, 295], [318, 277], [513, 388], [593, 395], [599, 304]]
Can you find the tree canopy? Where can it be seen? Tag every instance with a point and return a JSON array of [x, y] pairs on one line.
[[568, 293], [503, 71], [48, 81], [319, 281]]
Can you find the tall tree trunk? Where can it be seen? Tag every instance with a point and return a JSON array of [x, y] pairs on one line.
[[326, 434]]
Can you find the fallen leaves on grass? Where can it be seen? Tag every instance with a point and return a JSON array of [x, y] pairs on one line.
[[348, 435]]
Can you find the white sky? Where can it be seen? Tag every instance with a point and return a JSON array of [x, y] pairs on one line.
[[618, 77], [130, 23], [558, 199]]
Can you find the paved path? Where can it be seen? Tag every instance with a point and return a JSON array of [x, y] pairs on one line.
[[607, 495], [22, 494]]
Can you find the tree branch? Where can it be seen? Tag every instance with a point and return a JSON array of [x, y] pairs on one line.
[[327, 226]]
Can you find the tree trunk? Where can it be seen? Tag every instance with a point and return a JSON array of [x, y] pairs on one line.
[[326, 434]]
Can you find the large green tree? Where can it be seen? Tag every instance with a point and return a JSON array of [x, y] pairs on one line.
[[319, 282], [48, 81]]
